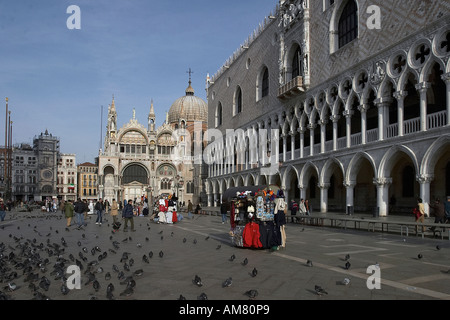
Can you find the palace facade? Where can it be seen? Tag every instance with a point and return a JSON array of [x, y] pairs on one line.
[[348, 101]]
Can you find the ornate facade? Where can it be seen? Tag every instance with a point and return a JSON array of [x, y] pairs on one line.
[[140, 160], [361, 113]]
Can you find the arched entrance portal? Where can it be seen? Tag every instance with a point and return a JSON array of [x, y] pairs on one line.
[[134, 182], [109, 191]]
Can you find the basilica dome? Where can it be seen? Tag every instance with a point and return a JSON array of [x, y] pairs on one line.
[[189, 108]]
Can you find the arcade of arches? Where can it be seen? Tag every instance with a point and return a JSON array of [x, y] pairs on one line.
[[388, 180]]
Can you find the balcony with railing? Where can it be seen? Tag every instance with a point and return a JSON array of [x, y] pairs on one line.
[[291, 89]]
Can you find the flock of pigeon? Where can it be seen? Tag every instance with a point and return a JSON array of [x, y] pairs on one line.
[[35, 267]]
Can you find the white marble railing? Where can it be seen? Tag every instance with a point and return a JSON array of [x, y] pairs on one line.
[[434, 120]]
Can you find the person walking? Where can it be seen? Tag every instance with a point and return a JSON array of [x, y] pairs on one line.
[[421, 217], [190, 208], [294, 208], [439, 212], [85, 209], [302, 207], [2, 210], [198, 208], [223, 211], [280, 219], [145, 208], [447, 210], [61, 206], [127, 214], [99, 208], [106, 206], [114, 210], [307, 207], [79, 213], [68, 211]]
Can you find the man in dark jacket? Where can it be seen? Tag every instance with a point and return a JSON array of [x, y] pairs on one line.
[[79, 211], [128, 214], [99, 207]]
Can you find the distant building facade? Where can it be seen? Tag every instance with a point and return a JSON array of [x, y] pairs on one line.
[[24, 173], [361, 114], [87, 181], [34, 169], [67, 177]]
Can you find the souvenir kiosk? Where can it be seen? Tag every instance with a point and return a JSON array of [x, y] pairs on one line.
[[167, 207], [254, 219]]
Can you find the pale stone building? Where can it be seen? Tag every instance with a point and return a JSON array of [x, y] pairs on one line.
[[359, 94], [140, 160], [87, 181], [67, 177]]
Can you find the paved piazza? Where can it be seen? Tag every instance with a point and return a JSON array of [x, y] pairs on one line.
[[202, 247]]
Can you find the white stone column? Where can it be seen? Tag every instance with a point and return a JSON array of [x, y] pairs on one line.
[[311, 128], [348, 127], [335, 120], [292, 145], [363, 110], [216, 198], [383, 117], [302, 141], [383, 195], [323, 127], [286, 194], [400, 96], [324, 197], [446, 78], [422, 88], [424, 182], [302, 191], [210, 199], [350, 186], [284, 137]]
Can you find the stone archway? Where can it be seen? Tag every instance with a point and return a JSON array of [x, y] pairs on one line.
[[134, 182], [109, 192]]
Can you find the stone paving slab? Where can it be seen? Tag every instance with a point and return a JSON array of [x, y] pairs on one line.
[[202, 247]]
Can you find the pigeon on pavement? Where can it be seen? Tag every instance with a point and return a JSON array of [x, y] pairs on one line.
[[197, 281], [319, 290], [227, 282], [252, 294]]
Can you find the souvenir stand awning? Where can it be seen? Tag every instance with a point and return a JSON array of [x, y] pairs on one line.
[[253, 218]]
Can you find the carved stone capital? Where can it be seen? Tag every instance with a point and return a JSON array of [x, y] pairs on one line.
[[382, 181], [335, 118], [349, 184], [446, 77], [425, 178], [348, 113], [423, 86], [363, 107], [325, 185], [400, 95]]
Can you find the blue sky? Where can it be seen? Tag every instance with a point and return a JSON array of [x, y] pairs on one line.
[[58, 79]]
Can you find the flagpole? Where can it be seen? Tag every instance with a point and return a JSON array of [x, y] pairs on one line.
[[6, 143]]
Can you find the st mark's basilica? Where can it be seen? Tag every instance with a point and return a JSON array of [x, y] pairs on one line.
[[150, 161]]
